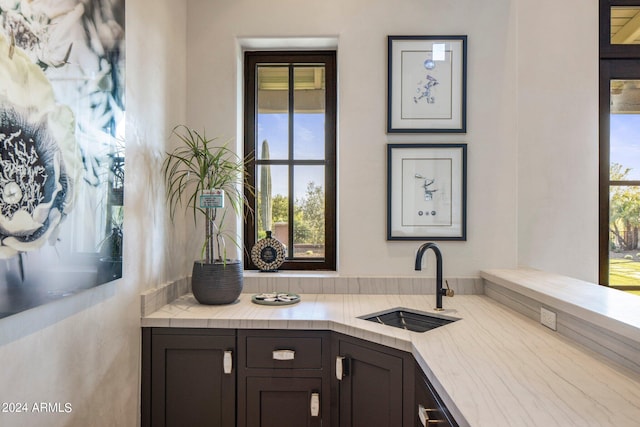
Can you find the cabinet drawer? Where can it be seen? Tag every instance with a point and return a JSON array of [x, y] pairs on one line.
[[284, 352]]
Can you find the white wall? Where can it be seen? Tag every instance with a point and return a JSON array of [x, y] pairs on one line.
[[557, 48], [532, 120], [85, 349], [361, 27]]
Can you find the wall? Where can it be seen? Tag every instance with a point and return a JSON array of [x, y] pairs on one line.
[[558, 137], [532, 120], [361, 28], [84, 350]]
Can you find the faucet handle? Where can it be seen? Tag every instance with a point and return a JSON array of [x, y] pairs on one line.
[[448, 292]]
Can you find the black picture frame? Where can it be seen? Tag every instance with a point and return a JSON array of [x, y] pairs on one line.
[[427, 191], [427, 84]]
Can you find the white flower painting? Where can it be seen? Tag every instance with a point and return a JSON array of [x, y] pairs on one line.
[[61, 148], [40, 160]]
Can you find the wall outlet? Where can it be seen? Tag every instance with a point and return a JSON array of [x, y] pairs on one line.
[[548, 318]]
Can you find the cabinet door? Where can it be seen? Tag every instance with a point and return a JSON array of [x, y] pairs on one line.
[[371, 388], [284, 402], [189, 385], [283, 378]]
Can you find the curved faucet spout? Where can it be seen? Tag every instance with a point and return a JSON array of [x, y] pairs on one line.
[[439, 290], [436, 251]]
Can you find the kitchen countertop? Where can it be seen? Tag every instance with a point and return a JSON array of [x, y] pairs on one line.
[[608, 308], [494, 367]]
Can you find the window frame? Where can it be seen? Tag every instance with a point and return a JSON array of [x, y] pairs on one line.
[[251, 61], [616, 62]]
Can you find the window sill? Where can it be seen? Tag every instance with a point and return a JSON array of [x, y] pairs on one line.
[[290, 274]]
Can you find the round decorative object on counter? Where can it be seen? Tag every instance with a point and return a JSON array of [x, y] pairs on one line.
[[268, 253], [275, 298]]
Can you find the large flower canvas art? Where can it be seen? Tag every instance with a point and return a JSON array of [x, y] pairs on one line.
[[62, 116]]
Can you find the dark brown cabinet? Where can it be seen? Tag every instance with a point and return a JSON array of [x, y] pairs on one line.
[[188, 378], [372, 384], [283, 378]]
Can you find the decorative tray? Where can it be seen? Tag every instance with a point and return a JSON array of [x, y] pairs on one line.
[[275, 298]]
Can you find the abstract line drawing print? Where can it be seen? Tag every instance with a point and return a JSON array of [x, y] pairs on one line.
[[425, 90], [426, 196], [426, 86]]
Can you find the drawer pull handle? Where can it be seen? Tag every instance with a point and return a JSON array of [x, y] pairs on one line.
[[315, 404], [284, 354], [227, 362], [423, 415], [342, 367]]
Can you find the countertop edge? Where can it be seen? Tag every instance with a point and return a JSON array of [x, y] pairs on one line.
[[605, 307]]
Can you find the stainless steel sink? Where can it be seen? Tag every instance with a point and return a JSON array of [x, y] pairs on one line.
[[409, 319]]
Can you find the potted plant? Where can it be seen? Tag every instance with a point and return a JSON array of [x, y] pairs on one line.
[[205, 176]]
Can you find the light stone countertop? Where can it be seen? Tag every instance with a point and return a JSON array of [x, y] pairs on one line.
[[608, 308], [494, 367]]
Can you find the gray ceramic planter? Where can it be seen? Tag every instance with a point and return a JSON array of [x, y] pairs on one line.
[[218, 283]]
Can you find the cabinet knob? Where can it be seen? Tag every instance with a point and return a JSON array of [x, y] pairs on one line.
[[284, 354], [227, 362]]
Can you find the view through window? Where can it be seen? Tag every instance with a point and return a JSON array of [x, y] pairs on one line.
[[624, 184]]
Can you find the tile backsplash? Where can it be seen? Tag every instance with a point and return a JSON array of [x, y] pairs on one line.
[[153, 299]]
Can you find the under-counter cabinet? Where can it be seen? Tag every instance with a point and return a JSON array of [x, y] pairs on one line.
[[375, 384], [268, 378], [188, 377], [283, 378]]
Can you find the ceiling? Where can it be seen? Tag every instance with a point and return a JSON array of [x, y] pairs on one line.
[[625, 97], [625, 25], [308, 86]]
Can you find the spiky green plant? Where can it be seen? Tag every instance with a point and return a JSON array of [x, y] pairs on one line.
[[201, 163]]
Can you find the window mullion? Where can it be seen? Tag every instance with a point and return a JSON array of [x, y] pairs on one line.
[[290, 248], [624, 183]]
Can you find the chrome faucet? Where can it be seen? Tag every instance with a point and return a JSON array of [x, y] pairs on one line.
[[440, 291]]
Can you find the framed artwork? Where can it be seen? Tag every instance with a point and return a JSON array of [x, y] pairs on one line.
[[427, 84], [62, 116], [426, 191]]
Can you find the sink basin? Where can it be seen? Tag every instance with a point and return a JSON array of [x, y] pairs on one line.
[[411, 320]]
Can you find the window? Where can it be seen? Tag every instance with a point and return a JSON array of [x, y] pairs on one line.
[[619, 236], [290, 127]]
